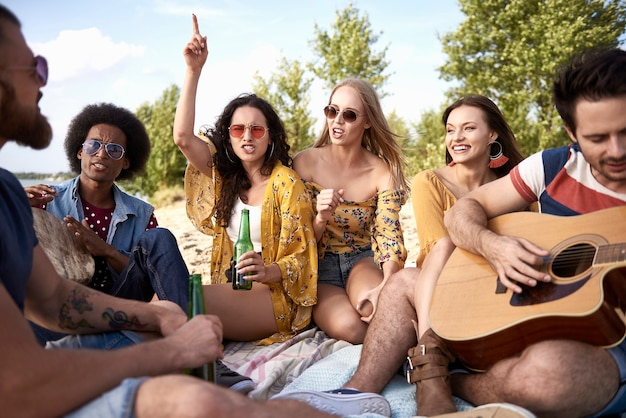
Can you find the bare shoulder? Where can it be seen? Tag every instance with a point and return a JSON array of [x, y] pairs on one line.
[[382, 173], [305, 162]]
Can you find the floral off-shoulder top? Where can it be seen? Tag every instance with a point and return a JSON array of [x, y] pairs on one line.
[[356, 225]]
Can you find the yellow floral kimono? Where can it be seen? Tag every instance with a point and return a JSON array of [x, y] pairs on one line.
[[287, 239]]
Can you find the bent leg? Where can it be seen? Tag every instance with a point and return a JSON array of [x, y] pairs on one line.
[[155, 267], [364, 277], [427, 280], [336, 316], [390, 334], [430, 358], [246, 315], [555, 378]]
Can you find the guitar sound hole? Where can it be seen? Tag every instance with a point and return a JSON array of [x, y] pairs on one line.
[[573, 260]]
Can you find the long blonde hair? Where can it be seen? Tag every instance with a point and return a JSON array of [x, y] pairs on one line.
[[379, 139]]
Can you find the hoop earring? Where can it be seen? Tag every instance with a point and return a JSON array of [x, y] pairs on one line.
[[228, 155], [271, 152], [499, 159]]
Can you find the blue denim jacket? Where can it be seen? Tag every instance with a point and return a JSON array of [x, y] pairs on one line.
[[130, 216]]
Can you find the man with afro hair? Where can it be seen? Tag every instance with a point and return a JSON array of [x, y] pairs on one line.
[[134, 259]]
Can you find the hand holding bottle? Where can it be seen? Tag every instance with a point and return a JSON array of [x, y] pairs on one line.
[[197, 309]]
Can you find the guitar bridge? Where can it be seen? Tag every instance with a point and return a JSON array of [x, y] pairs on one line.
[[500, 288]]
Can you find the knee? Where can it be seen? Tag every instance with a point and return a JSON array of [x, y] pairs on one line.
[[544, 372], [176, 395], [160, 234], [158, 237], [402, 282], [344, 327]]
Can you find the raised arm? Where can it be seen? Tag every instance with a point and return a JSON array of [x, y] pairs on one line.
[[194, 149]]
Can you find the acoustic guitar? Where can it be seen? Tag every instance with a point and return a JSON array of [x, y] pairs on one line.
[[483, 322]]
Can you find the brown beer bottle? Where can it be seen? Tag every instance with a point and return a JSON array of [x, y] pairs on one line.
[[243, 245], [196, 307]]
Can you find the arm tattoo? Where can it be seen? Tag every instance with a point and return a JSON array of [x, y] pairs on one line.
[[78, 301], [120, 320]]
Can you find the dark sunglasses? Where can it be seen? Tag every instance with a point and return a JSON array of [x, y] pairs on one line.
[[92, 147], [257, 131], [40, 66], [348, 115]]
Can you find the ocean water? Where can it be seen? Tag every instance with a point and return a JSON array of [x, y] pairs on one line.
[[33, 182]]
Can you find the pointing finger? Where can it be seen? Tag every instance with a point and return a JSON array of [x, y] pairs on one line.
[[194, 20]]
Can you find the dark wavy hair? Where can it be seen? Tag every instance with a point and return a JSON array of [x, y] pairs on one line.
[[234, 177], [496, 121], [593, 75], [137, 139]]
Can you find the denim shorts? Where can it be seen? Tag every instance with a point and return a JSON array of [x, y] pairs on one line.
[[335, 268], [119, 402], [618, 403]]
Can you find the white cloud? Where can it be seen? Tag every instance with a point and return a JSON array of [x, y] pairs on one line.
[[76, 52]]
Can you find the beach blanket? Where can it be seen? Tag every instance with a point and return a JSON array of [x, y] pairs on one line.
[[275, 366], [312, 361]]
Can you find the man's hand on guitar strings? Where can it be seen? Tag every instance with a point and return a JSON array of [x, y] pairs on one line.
[[517, 260]]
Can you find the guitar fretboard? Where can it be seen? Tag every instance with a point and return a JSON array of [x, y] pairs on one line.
[[611, 253]]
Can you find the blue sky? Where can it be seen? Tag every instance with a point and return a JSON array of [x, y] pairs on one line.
[[129, 52]]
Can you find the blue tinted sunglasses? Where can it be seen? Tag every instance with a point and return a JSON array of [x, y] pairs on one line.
[[92, 147]]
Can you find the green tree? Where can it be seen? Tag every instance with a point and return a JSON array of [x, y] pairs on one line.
[[287, 90], [405, 139], [166, 165], [430, 147], [509, 50], [347, 51]]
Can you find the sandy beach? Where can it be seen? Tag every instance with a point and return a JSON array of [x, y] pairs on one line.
[[196, 247]]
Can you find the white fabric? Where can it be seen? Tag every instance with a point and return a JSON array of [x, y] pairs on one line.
[[255, 224]]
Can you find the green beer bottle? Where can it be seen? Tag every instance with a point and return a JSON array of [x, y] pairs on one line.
[[196, 307], [243, 245]]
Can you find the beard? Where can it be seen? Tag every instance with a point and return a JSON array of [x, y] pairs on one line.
[[25, 126]]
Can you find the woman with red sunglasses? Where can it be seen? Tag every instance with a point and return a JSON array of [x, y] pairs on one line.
[[243, 163], [355, 173]]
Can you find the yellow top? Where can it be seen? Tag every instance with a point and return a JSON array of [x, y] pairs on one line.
[[431, 200], [287, 238], [374, 222]]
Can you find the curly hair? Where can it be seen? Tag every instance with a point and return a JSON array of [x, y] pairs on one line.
[[234, 177], [496, 121], [594, 74], [379, 139], [137, 139]]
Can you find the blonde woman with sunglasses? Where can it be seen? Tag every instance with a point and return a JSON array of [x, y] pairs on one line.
[[243, 163], [355, 172]]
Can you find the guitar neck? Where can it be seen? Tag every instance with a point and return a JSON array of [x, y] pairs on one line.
[[611, 253]]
